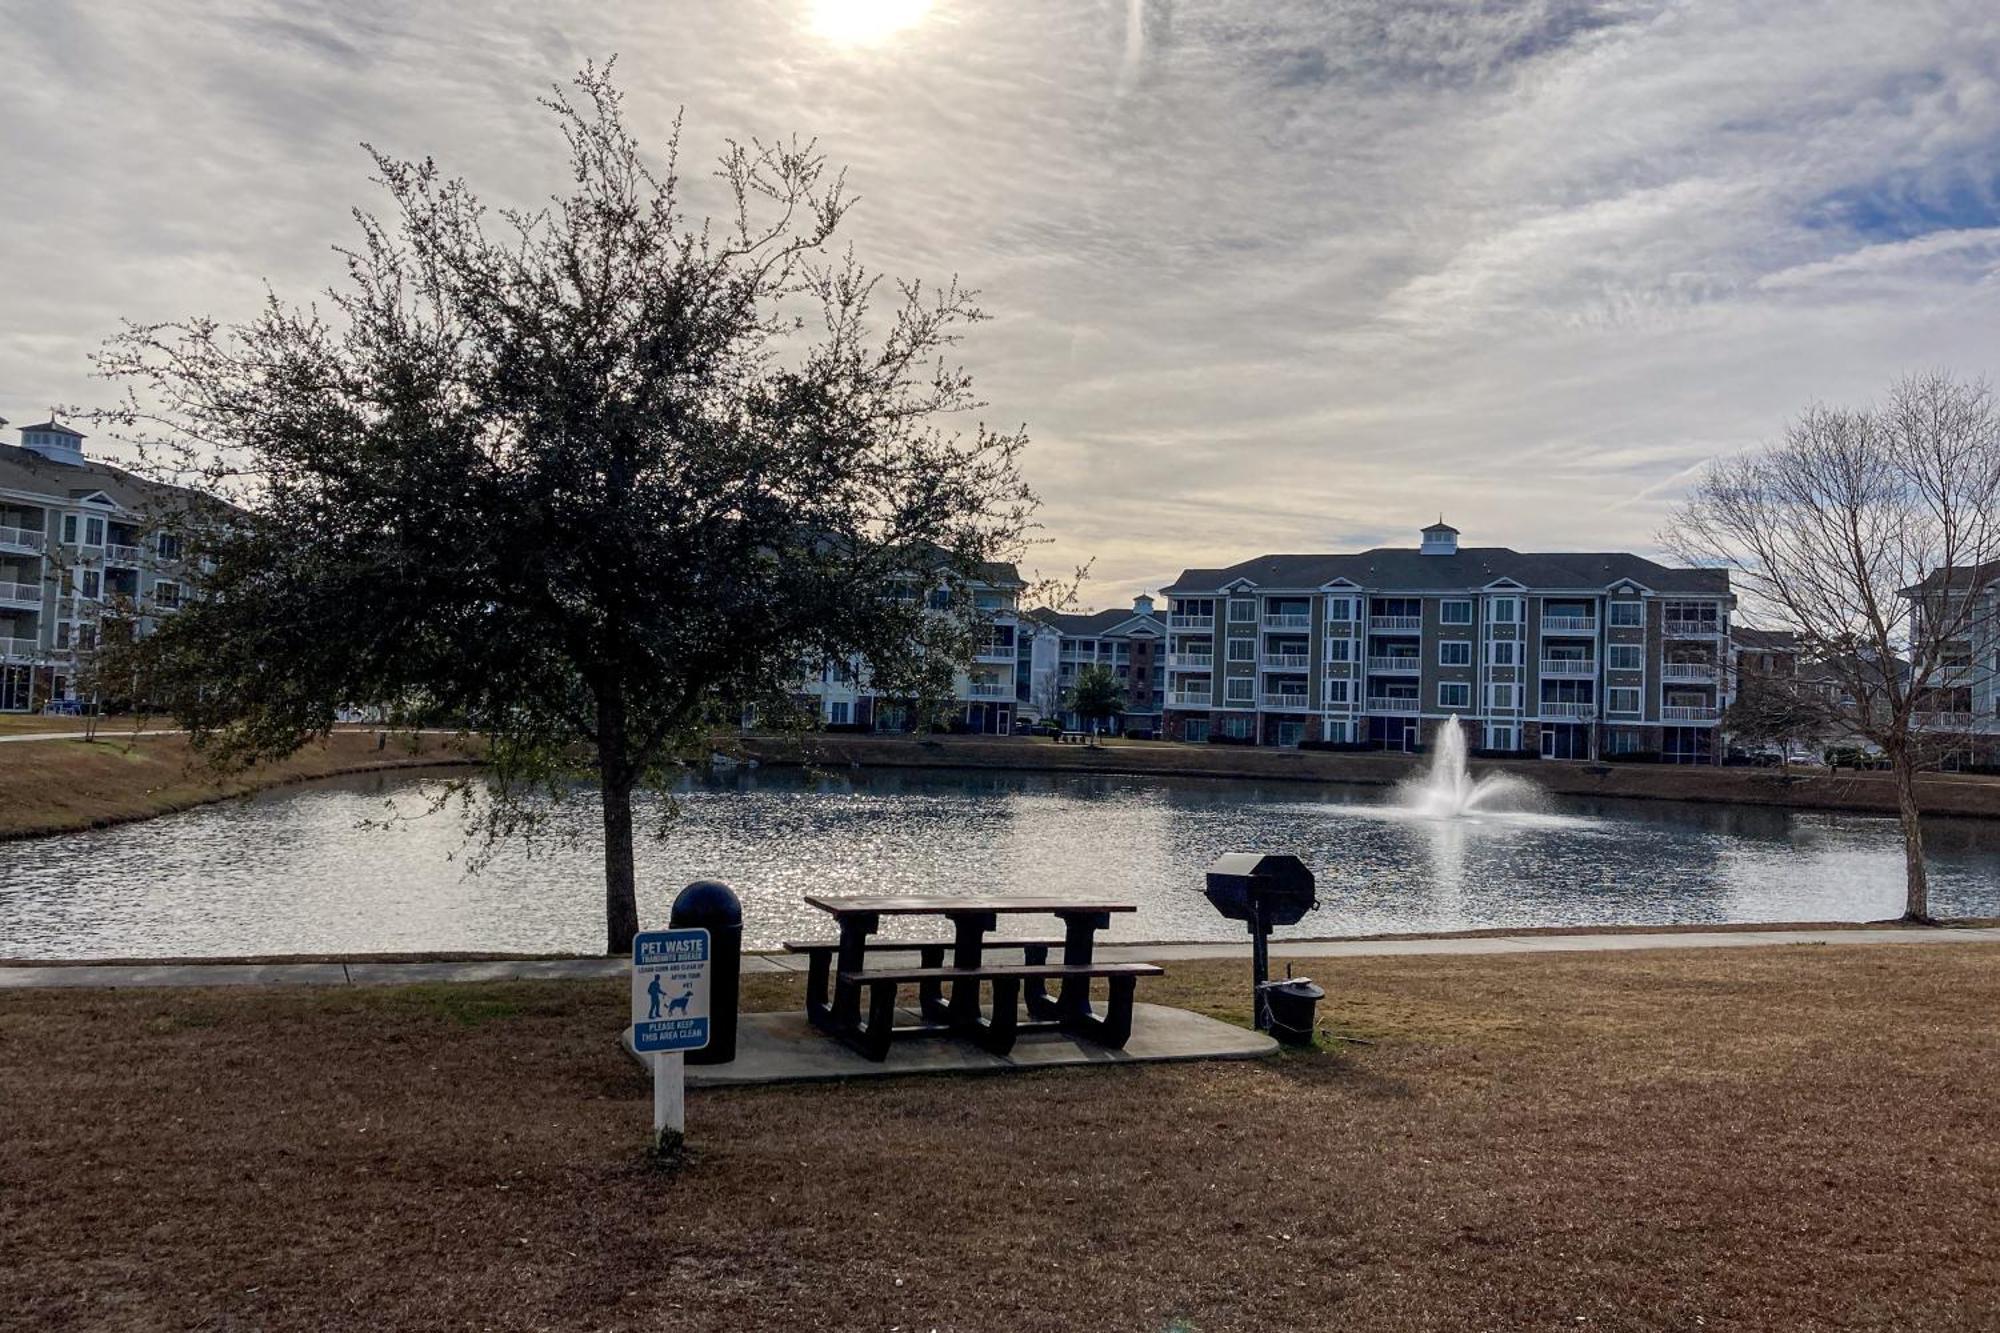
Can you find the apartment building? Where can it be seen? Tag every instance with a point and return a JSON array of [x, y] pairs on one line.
[[1560, 654], [1130, 644], [1959, 706], [75, 542], [986, 693]]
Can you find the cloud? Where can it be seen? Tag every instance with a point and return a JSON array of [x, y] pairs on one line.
[[1265, 274]]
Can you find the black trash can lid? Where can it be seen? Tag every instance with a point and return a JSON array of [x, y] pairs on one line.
[[1299, 988]]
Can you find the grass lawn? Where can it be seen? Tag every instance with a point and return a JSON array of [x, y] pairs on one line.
[[1784, 1138]]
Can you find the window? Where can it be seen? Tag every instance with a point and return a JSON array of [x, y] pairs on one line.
[[1628, 615], [1501, 738], [1242, 650], [1500, 695], [1338, 732], [1625, 657], [1454, 694], [1621, 701], [1195, 729], [86, 637], [93, 584], [1455, 652], [1336, 691], [1237, 728], [1621, 740], [836, 713], [168, 544], [93, 532], [1505, 610], [1242, 609], [1455, 613], [1237, 689], [1504, 652], [1340, 608], [1339, 650], [62, 634], [69, 529]]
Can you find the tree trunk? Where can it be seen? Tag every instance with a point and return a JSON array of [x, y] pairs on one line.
[[621, 897], [1917, 906]]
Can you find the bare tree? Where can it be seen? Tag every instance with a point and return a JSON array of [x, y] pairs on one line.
[[1873, 534]]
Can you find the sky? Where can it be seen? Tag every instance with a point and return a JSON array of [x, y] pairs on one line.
[[1263, 275]]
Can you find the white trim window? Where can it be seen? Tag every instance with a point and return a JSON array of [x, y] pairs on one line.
[[1503, 652], [1242, 610], [1242, 650], [1502, 738], [1336, 691], [1628, 615], [1454, 694], [1500, 695], [1455, 652], [1621, 700], [1455, 611], [1238, 689], [93, 531], [1624, 657], [1504, 610], [1340, 650], [1340, 608]]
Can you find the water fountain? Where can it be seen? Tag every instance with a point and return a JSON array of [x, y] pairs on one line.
[[1447, 789]]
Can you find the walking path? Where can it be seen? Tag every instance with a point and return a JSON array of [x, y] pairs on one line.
[[573, 969], [102, 734]]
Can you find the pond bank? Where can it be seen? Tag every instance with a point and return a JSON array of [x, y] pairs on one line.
[[64, 786], [1803, 789]]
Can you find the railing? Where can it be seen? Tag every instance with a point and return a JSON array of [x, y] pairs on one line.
[[1286, 661], [981, 690], [1287, 700], [1569, 624], [1928, 718], [1554, 709], [1198, 661], [1190, 622], [22, 539], [1396, 666], [1395, 622], [1188, 699], [1689, 713], [996, 652], [20, 649], [1380, 704], [30, 593], [121, 555], [1288, 620], [1569, 666], [1690, 629], [1687, 671]]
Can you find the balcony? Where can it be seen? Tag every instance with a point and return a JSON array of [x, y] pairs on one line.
[[1569, 666], [980, 689], [1933, 718], [1676, 628], [1396, 622], [1190, 622], [21, 594], [995, 652], [1689, 713], [1286, 661], [22, 539], [1569, 625], [1396, 666], [19, 650], [1553, 709], [1291, 701], [1191, 661], [1288, 620], [1191, 699], [1399, 704], [121, 555], [1695, 671]]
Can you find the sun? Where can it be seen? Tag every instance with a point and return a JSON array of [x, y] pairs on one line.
[[864, 22]]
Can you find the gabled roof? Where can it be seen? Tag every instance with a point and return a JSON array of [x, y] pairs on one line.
[[55, 427], [64, 483], [1470, 567], [1958, 576], [1764, 640], [1098, 624]]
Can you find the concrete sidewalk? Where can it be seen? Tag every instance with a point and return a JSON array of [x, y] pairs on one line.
[[584, 969]]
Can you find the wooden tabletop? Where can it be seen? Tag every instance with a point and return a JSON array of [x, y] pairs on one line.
[[929, 904]]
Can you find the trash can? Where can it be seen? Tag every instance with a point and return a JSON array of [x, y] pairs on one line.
[[1288, 1008], [714, 906]]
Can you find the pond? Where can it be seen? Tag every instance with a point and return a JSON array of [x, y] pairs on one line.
[[295, 870]]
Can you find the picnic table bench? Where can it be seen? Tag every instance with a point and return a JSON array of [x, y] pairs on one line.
[[1013, 986]]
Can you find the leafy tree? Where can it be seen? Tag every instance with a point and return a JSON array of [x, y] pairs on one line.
[[1874, 534], [586, 478], [1097, 696]]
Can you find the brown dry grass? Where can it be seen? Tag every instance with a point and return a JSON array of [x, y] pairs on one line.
[[1791, 1138], [57, 786]]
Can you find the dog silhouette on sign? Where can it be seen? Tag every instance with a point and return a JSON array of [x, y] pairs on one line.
[[680, 1002]]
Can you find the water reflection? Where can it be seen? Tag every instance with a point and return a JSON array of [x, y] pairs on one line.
[[290, 872]]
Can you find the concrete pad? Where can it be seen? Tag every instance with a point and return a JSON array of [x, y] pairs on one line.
[[784, 1048]]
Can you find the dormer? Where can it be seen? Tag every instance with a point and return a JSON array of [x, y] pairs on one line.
[[1440, 538], [54, 441]]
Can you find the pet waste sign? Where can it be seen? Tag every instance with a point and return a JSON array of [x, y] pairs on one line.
[[669, 990]]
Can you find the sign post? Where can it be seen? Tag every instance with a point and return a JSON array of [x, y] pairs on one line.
[[669, 1016]]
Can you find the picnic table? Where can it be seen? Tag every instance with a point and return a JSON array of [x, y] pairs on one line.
[[843, 962]]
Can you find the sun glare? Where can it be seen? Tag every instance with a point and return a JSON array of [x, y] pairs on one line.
[[864, 22]]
